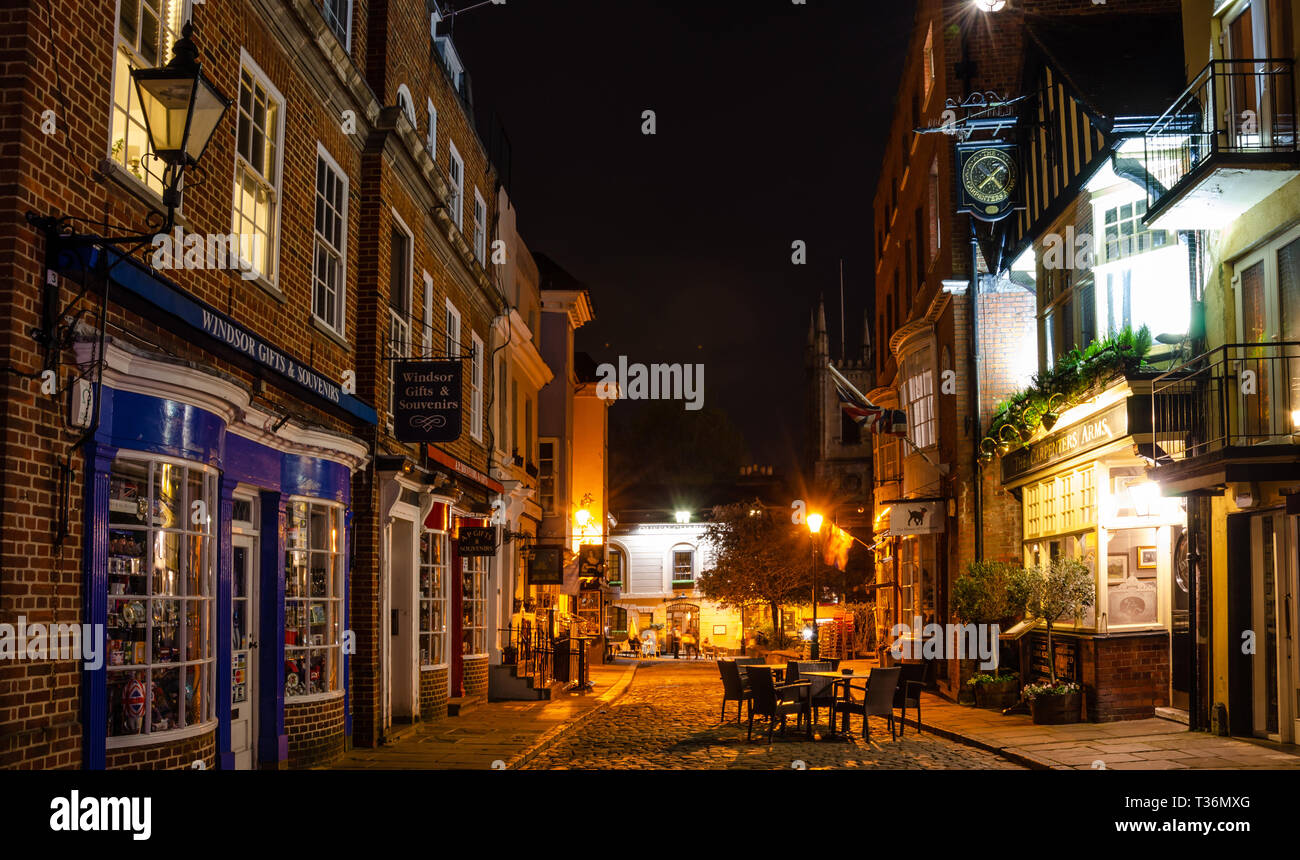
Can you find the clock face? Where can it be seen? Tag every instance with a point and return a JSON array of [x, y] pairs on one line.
[[989, 177]]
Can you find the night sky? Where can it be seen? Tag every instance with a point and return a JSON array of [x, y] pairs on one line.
[[771, 120]]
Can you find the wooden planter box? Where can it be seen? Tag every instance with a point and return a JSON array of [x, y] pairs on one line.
[[1056, 710], [997, 695]]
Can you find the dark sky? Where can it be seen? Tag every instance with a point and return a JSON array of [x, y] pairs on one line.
[[771, 119]]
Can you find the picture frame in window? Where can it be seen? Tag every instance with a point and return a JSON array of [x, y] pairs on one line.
[[719, 630], [1117, 567], [1146, 557]]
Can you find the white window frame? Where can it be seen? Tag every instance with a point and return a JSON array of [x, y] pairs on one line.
[[407, 104], [402, 321], [167, 38], [547, 500], [456, 181], [335, 599], [207, 596], [428, 315], [479, 569], [431, 139], [346, 38], [918, 396], [452, 331], [270, 279], [480, 227], [673, 579], [439, 597], [339, 324], [476, 387]]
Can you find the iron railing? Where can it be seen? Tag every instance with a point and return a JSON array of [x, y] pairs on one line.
[[1237, 395], [1242, 107]]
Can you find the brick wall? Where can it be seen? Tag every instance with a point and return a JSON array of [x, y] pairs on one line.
[[1125, 677], [177, 755], [476, 676], [315, 731], [434, 692]]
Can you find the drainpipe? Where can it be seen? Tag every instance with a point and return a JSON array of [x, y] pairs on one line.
[[975, 391]]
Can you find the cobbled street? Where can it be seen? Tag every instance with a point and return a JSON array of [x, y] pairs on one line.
[[668, 719]]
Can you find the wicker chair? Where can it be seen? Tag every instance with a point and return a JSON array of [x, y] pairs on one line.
[[877, 700], [822, 694], [734, 688], [913, 680], [775, 702]]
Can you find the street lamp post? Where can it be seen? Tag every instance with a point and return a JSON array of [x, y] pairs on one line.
[[814, 528]]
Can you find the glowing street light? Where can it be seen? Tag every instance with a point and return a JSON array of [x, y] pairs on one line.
[[683, 517], [990, 5], [814, 528]]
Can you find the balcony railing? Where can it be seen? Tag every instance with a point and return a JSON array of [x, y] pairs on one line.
[[1244, 109], [1238, 396]]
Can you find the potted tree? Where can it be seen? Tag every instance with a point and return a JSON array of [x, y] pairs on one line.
[[988, 593], [1064, 586]]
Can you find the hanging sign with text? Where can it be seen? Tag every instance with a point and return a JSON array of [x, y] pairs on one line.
[[477, 540], [546, 567], [427, 401]]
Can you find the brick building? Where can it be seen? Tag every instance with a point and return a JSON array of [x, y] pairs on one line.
[[929, 358], [215, 477], [1025, 89]]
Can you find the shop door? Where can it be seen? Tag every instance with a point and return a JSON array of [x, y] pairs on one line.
[[243, 645], [1273, 570], [401, 623]]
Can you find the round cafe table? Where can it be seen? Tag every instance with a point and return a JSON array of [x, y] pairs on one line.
[[845, 679]]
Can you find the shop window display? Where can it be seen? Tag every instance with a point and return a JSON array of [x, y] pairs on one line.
[[161, 580], [474, 585], [434, 563], [313, 599]]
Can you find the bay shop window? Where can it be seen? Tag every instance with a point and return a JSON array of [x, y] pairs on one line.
[[435, 569], [313, 599], [161, 582]]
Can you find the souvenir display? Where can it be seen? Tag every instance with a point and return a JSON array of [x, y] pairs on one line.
[[133, 705]]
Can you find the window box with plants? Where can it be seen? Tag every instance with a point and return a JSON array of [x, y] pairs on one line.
[[995, 691]]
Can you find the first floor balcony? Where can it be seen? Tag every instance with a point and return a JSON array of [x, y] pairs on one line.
[[1230, 415], [1225, 145]]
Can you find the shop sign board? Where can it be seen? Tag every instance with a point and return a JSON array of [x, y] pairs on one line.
[[426, 401], [473, 541], [1067, 658], [917, 518], [546, 567], [1094, 432]]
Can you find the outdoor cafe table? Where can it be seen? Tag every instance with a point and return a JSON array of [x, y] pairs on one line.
[[778, 672], [838, 678]]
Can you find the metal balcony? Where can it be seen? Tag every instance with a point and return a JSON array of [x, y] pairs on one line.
[[1228, 142], [1232, 414]]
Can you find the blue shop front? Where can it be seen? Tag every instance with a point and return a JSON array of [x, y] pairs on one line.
[[217, 555]]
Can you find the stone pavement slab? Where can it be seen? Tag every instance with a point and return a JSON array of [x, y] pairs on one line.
[[508, 732], [1152, 744]]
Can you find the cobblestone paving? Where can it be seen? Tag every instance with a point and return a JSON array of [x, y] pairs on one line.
[[668, 719]]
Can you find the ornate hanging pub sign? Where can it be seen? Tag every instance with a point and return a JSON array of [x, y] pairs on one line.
[[989, 173]]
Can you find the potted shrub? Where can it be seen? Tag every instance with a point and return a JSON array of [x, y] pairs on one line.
[[988, 593], [1064, 586], [995, 691]]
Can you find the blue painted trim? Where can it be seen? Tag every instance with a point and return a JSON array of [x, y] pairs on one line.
[[217, 328], [99, 458], [310, 476], [139, 422], [225, 610], [272, 741], [253, 463]]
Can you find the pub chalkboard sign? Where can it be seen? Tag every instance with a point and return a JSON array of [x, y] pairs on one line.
[[477, 540], [426, 401], [546, 567]]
